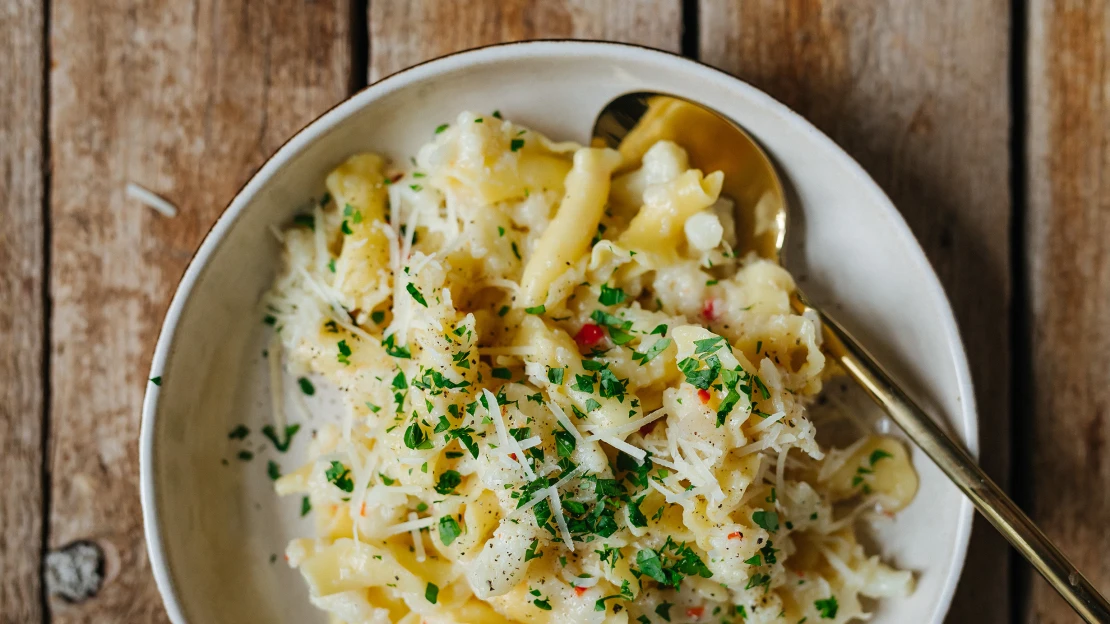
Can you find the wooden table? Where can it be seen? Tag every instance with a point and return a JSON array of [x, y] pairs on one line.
[[988, 123]]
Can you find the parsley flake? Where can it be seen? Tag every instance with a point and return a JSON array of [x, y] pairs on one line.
[[448, 530], [306, 386], [610, 296], [431, 593], [827, 608], [340, 476], [416, 294]]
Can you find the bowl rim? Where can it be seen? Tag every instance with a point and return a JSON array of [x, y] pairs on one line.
[[967, 421]]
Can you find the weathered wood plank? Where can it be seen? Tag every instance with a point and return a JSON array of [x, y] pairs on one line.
[[1068, 262], [21, 309], [404, 32], [917, 92], [187, 99]]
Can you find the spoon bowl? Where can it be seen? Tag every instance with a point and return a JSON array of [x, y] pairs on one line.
[[633, 122]]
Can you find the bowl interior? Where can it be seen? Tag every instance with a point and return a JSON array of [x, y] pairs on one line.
[[217, 532]]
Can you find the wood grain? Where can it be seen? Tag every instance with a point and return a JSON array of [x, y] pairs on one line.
[[21, 310], [917, 93], [187, 99], [404, 32], [1068, 264]]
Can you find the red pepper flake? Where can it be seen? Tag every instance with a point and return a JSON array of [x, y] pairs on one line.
[[589, 335], [708, 309], [704, 396], [362, 511], [396, 176], [694, 612], [736, 535], [648, 428], [579, 590], [512, 456]]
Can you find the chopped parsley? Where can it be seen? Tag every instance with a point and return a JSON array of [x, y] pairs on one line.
[[759, 580], [281, 445], [610, 296], [463, 436], [340, 476], [768, 552], [531, 554], [306, 386], [669, 569], [564, 443], [239, 433], [516, 144], [350, 211], [393, 350], [878, 454], [448, 481], [156, 380], [416, 294], [377, 316], [827, 608], [708, 345], [448, 530], [245, 455], [697, 376], [663, 610], [762, 388], [273, 470], [767, 520], [540, 309], [399, 381], [306, 506], [431, 593], [612, 386], [344, 352], [417, 438], [583, 383], [555, 375], [654, 350], [441, 127]]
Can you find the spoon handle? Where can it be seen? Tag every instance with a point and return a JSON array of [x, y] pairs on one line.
[[950, 456]]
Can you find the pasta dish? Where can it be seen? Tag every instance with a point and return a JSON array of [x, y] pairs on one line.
[[567, 398]]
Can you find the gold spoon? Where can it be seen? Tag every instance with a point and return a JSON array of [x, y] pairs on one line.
[[634, 122]]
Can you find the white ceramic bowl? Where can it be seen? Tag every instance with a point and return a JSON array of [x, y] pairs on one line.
[[212, 523]]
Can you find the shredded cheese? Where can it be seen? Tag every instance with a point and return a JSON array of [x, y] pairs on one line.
[[417, 540], [277, 385], [628, 449], [596, 432], [563, 420], [151, 200], [413, 524]]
